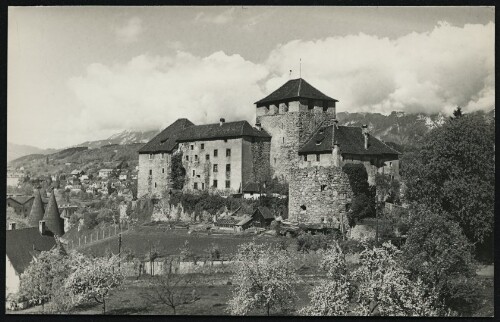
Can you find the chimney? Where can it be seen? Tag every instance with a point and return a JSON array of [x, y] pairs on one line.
[[41, 227], [12, 226], [222, 121], [364, 130], [258, 126]]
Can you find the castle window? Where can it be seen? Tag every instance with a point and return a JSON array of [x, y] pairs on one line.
[[303, 207], [150, 172], [163, 155], [228, 184], [283, 140], [194, 173], [323, 187], [274, 160], [155, 184], [192, 147], [202, 146], [216, 152], [207, 156], [216, 168], [187, 157], [151, 156], [215, 184], [225, 140], [195, 186], [202, 186], [228, 168], [305, 157], [162, 170], [317, 157], [195, 157], [228, 152]]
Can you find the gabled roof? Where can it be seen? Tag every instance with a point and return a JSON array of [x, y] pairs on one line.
[[20, 199], [23, 244], [53, 220], [349, 138], [266, 212], [36, 213], [217, 131], [166, 140], [251, 187], [295, 88]]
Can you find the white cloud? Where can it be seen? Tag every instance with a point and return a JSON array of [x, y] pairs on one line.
[[150, 92], [130, 31], [420, 72], [218, 19]]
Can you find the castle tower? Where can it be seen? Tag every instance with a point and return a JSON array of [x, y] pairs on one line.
[[52, 218], [291, 114], [36, 213]]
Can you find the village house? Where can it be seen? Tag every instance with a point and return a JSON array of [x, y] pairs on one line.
[[262, 217], [252, 190], [105, 173], [21, 204], [22, 245]]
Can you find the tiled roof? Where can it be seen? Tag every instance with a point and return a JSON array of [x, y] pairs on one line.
[[166, 141], [266, 212], [53, 220], [349, 138], [20, 199], [251, 187], [244, 220], [216, 131], [23, 244], [37, 210], [295, 88]]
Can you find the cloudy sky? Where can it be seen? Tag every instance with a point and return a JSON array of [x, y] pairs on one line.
[[85, 73]]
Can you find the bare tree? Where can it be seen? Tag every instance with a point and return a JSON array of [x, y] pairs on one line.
[[172, 290]]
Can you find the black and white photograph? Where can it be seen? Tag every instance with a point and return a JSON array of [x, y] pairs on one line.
[[250, 161]]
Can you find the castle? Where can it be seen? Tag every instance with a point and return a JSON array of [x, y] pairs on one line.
[[296, 139]]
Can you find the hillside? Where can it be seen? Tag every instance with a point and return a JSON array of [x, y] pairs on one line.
[[122, 138], [15, 151], [88, 160]]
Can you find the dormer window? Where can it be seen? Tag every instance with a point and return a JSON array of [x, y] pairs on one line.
[[318, 142]]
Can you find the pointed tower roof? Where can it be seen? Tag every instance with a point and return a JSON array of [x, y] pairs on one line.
[[53, 220], [295, 88], [36, 213]]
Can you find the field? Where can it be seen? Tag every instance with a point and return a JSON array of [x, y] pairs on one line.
[[168, 242]]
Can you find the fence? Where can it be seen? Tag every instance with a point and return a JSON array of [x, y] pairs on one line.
[[97, 235]]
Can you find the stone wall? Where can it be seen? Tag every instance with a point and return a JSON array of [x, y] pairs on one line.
[[159, 181], [289, 131], [318, 193]]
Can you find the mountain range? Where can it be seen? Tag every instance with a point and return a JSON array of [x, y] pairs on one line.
[[405, 130]]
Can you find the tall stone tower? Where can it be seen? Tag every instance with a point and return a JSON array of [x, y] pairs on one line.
[[291, 114]]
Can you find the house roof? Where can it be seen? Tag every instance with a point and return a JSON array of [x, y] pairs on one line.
[[218, 131], [23, 244], [20, 199], [266, 212], [349, 138], [295, 88], [251, 187], [37, 210], [52, 217], [244, 220], [166, 141], [226, 221]]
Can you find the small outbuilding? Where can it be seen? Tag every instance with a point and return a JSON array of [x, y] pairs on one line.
[[262, 217]]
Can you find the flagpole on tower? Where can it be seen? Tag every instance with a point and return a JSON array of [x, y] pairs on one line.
[[300, 67]]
